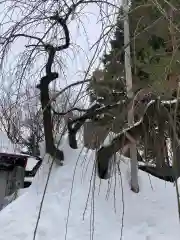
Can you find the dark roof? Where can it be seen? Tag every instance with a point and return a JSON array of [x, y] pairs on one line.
[[10, 160], [15, 155]]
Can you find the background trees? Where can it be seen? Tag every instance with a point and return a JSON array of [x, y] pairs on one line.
[[155, 67]]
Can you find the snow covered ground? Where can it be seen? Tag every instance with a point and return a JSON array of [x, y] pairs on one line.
[[72, 210]]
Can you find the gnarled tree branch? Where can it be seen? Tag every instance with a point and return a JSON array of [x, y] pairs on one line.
[[133, 133], [44, 91], [75, 124]]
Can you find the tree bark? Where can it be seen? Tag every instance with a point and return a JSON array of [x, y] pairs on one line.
[[48, 125], [46, 108], [133, 151]]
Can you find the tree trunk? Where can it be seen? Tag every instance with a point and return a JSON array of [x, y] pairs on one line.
[[133, 151]]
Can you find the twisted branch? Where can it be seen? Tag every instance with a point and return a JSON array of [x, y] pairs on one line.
[[44, 91]]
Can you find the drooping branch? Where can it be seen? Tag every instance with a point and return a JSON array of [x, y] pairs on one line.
[[93, 112], [70, 110], [133, 133], [69, 86], [129, 135], [12, 37]]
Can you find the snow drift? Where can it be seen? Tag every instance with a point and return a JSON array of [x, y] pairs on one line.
[[79, 206]]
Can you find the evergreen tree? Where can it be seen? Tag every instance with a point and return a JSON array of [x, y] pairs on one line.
[[153, 30], [109, 87], [154, 34]]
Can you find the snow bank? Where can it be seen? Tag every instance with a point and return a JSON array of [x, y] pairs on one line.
[[73, 211], [31, 163]]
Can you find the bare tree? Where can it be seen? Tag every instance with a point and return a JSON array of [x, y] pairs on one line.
[[44, 28], [22, 120]]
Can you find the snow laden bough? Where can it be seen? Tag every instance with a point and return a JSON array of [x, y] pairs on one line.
[[155, 112]]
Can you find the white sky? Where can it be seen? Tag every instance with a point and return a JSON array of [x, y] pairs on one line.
[[83, 35]]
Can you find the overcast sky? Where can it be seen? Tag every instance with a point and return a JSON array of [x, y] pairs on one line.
[[84, 33]]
